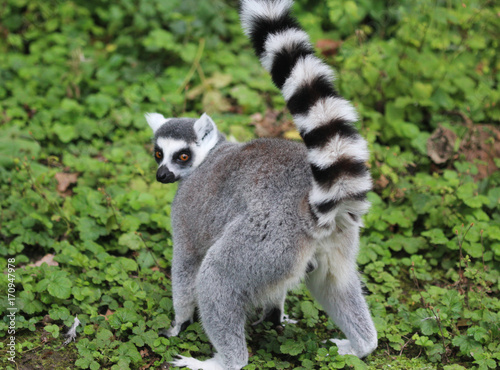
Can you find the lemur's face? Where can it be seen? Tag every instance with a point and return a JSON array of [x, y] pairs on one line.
[[181, 144]]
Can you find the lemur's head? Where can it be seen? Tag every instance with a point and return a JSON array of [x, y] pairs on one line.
[[181, 144]]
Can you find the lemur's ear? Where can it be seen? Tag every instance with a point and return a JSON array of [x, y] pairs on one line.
[[155, 120], [205, 129]]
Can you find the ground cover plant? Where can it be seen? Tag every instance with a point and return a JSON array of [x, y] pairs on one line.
[[85, 229]]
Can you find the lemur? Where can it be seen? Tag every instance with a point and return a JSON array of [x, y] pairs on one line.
[[251, 220]]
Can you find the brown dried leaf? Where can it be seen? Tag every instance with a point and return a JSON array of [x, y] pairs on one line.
[[440, 145], [48, 259], [381, 182], [214, 102], [273, 124], [107, 314], [328, 47], [64, 180], [483, 145]]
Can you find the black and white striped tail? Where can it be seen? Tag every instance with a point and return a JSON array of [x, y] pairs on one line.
[[336, 151]]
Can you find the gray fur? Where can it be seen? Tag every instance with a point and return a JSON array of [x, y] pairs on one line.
[[251, 220], [244, 234], [240, 240], [178, 128]]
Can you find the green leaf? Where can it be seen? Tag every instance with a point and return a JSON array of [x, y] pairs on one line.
[[453, 367], [60, 287], [29, 304], [53, 329], [246, 97], [143, 200], [131, 240], [436, 236], [146, 259], [422, 341], [394, 114], [474, 249], [292, 347], [467, 344], [12, 145], [122, 316], [355, 362], [468, 193], [371, 74], [99, 104], [396, 341], [310, 312], [160, 39], [476, 41], [494, 197], [104, 335], [127, 264], [66, 133], [59, 313], [410, 244], [89, 229], [89, 330], [480, 334], [422, 91], [453, 302]]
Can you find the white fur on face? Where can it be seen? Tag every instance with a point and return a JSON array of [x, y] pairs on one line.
[[169, 147], [199, 151]]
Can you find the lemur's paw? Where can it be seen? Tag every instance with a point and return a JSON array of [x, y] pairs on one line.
[[172, 332], [194, 364], [175, 329], [288, 320], [344, 346]]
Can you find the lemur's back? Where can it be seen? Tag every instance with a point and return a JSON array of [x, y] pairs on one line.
[[267, 180]]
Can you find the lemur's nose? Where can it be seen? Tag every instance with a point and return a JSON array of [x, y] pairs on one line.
[[165, 176]]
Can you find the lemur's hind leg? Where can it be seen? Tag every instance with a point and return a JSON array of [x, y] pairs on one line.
[[184, 272], [336, 285], [222, 301], [347, 307]]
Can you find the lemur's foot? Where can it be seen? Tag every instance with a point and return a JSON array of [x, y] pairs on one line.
[[194, 364], [175, 329]]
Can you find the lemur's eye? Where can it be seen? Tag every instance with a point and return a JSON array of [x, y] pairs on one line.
[[158, 154], [184, 157]]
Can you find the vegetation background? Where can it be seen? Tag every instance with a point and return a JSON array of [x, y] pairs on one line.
[[89, 226]]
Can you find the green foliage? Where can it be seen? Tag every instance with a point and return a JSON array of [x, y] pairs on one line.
[[77, 177]]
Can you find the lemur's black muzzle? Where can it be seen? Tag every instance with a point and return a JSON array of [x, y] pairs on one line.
[[164, 176]]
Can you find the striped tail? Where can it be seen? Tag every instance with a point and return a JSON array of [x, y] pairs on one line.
[[336, 151]]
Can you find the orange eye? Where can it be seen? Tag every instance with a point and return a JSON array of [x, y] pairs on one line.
[[158, 154], [184, 157]]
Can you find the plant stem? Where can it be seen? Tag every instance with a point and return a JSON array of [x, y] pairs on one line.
[[194, 66]]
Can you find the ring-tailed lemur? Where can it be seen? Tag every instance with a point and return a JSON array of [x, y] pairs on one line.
[[251, 220]]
